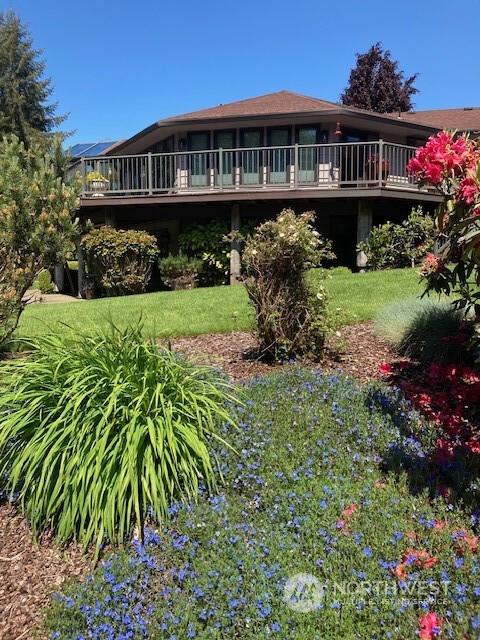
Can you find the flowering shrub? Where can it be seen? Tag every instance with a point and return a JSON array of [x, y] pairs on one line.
[[448, 396], [305, 494], [120, 261], [291, 319], [451, 165], [393, 246]]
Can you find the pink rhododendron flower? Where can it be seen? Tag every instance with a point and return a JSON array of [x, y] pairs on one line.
[[429, 626], [468, 190], [442, 157], [431, 265]]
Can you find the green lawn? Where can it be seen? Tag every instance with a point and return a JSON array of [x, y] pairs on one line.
[[215, 309]]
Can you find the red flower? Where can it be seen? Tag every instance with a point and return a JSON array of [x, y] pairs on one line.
[[385, 369], [468, 191], [440, 525], [349, 511], [430, 626], [442, 157], [431, 265]]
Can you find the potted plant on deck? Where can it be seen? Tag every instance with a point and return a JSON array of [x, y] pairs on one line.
[[372, 169], [97, 183]]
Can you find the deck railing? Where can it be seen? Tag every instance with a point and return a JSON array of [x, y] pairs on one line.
[[319, 166]]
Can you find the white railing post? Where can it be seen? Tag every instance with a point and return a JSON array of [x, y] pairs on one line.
[[380, 162], [82, 171], [295, 167], [220, 169], [150, 174]]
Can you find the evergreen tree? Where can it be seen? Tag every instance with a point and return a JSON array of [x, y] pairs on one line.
[[377, 84], [24, 91]]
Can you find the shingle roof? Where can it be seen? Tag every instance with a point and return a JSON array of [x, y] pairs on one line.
[[463, 119], [271, 103]]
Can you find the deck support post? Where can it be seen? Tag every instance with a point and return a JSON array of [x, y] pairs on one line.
[[235, 244], [364, 226], [81, 268], [110, 217]]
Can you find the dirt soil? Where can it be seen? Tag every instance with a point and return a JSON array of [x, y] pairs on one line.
[[356, 351], [29, 573]]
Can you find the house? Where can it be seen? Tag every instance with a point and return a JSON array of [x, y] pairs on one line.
[[251, 158]]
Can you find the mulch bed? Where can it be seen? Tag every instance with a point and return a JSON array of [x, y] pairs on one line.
[[29, 573], [356, 351]]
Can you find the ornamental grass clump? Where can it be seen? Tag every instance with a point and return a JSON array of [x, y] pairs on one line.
[[291, 318], [99, 431]]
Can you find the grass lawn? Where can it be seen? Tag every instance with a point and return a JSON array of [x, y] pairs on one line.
[[215, 309]]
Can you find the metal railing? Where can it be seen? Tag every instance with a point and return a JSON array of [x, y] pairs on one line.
[[319, 166]]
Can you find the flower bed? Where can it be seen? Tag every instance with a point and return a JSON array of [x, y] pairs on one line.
[[448, 396], [304, 495]]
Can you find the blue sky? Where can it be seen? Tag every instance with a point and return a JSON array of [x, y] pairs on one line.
[[119, 65]]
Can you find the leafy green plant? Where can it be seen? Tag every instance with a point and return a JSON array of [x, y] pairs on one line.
[[120, 261], [44, 282], [37, 225], [291, 317], [99, 431], [426, 330], [211, 243], [400, 245], [180, 272]]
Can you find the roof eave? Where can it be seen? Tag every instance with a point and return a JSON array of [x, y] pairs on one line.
[[339, 111]]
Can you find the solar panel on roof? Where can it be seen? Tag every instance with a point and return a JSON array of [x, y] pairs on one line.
[[78, 149], [97, 149], [89, 149]]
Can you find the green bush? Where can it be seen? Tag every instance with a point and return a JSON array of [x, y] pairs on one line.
[[120, 262], [425, 330], [97, 431], [210, 242], [400, 245], [291, 320], [180, 272], [37, 225], [44, 282]]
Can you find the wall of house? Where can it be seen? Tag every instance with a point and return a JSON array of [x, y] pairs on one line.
[[336, 218], [176, 139]]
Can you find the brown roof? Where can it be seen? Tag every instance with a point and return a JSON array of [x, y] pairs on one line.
[[271, 103], [464, 119]]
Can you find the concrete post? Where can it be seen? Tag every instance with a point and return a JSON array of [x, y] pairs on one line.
[[364, 226], [235, 245]]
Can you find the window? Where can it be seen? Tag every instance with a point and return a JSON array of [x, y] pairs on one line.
[[252, 137], [279, 137], [198, 141], [307, 135], [224, 139]]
